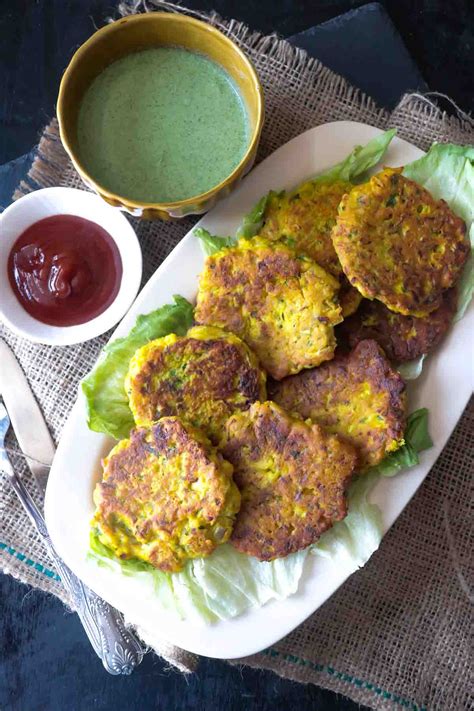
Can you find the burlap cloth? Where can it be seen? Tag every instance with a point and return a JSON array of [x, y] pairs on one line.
[[398, 633]]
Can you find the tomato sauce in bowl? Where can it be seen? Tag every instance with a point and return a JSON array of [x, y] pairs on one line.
[[65, 270]]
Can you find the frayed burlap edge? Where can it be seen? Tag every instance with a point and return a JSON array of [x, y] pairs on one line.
[[49, 164]]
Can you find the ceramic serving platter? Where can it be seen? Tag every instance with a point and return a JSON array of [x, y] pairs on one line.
[[444, 388]]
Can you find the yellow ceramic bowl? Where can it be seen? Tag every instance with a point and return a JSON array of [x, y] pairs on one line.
[[151, 30]]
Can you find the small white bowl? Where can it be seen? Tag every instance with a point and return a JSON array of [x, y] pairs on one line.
[[67, 201]]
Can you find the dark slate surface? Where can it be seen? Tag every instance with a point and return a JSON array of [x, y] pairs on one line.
[[11, 174], [381, 67], [46, 663]]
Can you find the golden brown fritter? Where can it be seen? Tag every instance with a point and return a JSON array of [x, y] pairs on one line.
[[166, 496], [357, 396], [292, 476], [403, 338], [202, 377], [283, 305], [304, 218], [399, 245], [349, 298]]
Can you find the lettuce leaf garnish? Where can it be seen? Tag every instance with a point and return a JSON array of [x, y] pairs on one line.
[[357, 163], [253, 220], [212, 243], [411, 370], [417, 439], [360, 160], [228, 582], [218, 587], [106, 401]]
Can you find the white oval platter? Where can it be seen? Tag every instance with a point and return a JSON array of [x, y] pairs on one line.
[[444, 388]]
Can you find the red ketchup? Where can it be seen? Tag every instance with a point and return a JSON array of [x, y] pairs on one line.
[[65, 270]]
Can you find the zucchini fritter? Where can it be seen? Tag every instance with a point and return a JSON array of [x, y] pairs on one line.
[[403, 338], [202, 377], [349, 298], [292, 476], [399, 245], [166, 496], [304, 218], [283, 305], [358, 396]]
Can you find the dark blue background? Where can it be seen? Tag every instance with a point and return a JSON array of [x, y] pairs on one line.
[[46, 662]]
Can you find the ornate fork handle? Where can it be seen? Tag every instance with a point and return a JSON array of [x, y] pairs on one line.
[[117, 647]]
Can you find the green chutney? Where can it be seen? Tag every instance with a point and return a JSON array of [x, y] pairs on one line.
[[161, 125]]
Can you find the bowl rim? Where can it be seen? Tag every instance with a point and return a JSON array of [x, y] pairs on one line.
[[129, 287], [165, 206]]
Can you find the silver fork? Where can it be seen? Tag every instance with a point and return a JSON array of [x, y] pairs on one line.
[[117, 647]]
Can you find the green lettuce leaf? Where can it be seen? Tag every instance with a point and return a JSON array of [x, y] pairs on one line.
[[465, 285], [106, 401], [447, 171], [360, 160], [417, 439], [412, 368], [212, 243], [253, 221], [227, 583], [357, 163], [218, 587], [128, 567], [417, 433]]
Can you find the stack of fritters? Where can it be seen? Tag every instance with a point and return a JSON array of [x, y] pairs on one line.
[[399, 245], [403, 250], [270, 304], [305, 218], [168, 495]]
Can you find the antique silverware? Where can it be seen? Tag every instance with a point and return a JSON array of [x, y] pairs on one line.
[[117, 647]]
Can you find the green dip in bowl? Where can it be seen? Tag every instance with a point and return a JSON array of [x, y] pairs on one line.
[[162, 124], [161, 114]]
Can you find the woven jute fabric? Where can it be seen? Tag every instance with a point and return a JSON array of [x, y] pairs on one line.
[[398, 632]]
